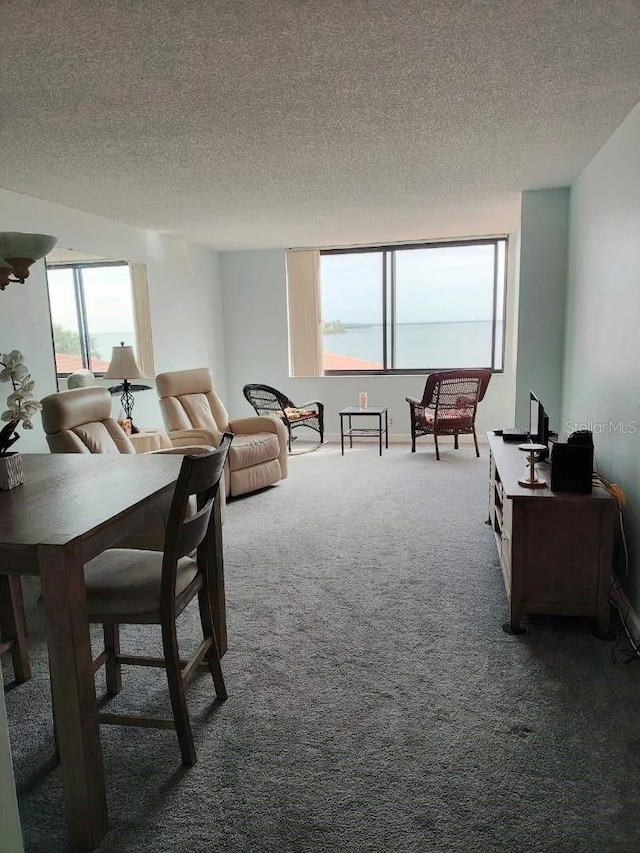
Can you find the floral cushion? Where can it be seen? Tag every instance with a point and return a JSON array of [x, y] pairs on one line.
[[294, 414], [452, 419]]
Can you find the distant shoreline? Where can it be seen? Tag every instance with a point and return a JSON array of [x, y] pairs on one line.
[[341, 328]]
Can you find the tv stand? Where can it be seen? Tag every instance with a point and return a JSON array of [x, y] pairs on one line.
[[555, 548]]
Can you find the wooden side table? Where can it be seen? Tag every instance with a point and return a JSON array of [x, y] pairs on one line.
[[150, 439], [371, 411]]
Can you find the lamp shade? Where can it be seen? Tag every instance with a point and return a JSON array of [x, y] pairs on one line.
[[18, 251], [123, 364], [16, 244]]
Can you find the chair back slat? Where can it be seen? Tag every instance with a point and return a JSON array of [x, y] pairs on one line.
[[193, 530], [200, 476]]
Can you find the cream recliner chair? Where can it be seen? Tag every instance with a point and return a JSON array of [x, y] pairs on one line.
[[194, 414], [79, 421]]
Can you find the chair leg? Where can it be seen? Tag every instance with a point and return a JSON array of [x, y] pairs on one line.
[[213, 657], [13, 626], [177, 693], [475, 441], [455, 441], [435, 439], [56, 746], [413, 436], [113, 668]]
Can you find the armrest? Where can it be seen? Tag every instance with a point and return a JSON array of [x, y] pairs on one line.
[[311, 403], [184, 450], [413, 402], [272, 423], [246, 426]]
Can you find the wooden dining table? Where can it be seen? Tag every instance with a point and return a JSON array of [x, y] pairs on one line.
[[70, 508]]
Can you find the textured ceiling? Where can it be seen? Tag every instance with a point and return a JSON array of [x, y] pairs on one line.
[[266, 123]]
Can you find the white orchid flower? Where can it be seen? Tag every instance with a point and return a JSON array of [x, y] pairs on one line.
[[20, 403]]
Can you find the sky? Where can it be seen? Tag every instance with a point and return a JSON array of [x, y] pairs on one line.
[[107, 299], [442, 284]]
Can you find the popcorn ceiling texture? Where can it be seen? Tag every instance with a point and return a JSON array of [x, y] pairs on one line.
[[252, 124]]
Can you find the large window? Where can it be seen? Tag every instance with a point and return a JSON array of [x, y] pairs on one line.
[[92, 310], [414, 308]]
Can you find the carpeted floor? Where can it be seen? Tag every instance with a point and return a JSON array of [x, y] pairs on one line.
[[374, 702]]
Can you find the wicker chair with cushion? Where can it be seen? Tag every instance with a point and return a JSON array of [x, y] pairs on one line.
[[448, 405], [269, 401]]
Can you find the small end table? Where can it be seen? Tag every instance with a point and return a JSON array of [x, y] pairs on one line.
[[148, 440], [371, 411]]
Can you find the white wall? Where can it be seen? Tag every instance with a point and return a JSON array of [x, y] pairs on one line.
[[602, 355], [541, 301], [255, 310], [184, 292]]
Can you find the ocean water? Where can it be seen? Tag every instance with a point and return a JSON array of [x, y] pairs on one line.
[[421, 345]]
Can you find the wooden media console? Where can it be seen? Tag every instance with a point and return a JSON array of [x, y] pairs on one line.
[[555, 548]]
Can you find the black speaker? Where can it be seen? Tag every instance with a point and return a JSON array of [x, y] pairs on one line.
[[572, 468]]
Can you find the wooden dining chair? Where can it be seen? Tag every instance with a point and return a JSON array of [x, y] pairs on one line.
[[134, 587], [13, 631]]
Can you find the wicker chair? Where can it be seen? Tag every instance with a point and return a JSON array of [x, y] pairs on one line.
[[448, 406], [269, 401]]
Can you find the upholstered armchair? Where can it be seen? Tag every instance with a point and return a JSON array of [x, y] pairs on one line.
[[193, 413], [79, 421], [448, 405]]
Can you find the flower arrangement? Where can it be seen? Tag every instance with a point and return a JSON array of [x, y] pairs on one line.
[[20, 403]]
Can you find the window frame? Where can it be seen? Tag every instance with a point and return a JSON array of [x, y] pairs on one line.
[[389, 302], [81, 314]]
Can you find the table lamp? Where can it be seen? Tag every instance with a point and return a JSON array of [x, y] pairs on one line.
[[125, 367]]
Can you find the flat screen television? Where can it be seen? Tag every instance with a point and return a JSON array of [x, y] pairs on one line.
[[538, 423]]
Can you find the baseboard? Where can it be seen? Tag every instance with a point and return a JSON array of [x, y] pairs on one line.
[[405, 438], [631, 616]]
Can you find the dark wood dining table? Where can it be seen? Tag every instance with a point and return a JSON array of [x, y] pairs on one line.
[[70, 508]]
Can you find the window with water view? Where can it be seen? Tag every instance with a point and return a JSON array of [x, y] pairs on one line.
[[414, 308]]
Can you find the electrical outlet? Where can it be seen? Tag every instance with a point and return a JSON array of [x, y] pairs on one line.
[[390, 421]]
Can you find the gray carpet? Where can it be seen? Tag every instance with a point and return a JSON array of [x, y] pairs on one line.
[[374, 701]]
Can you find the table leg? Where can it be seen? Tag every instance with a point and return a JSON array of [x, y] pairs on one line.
[[73, 690], [380, 431], [386, 429], [13, 626], [513, 625], [342, 434], [350, 435]]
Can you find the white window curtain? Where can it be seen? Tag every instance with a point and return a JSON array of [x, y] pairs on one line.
[[142, 318], [303, 300]]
